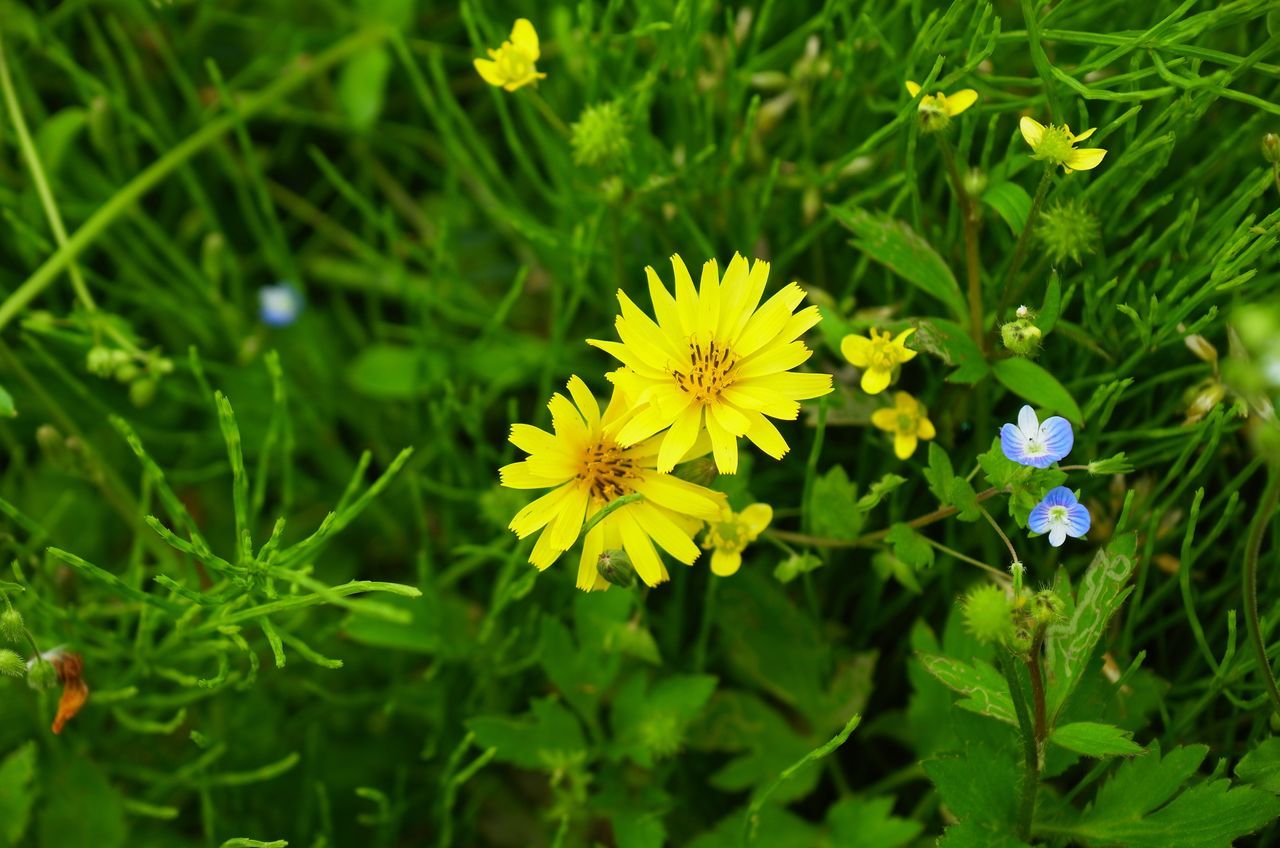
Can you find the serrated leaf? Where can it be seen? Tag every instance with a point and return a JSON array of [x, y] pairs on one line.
[[632, 829], [984, 689], [939, 473], [879, 490], [1070, 643], [1094, 739], [903, 251], [860, 822], [1031, 382], [833, 506], [970, 834], [1261, 766], [795, 565], [547, 737], [952, 344], [1012, 203], [909, 546], [961, 495], [649, 722]]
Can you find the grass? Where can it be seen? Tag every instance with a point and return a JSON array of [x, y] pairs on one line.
[[282, 551]]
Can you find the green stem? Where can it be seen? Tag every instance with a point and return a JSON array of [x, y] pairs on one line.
[[995, 526], [123, 199], [867, 540], [1252, 550], [968, 215], [704, 626], [1031, 759], [1024, 237]]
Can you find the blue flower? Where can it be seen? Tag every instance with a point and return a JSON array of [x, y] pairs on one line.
[[279, 305], [1035, 443], [1060, 515]]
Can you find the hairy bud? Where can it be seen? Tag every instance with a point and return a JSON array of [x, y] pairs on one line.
[[11, 665], [11, 624], [615, 567]]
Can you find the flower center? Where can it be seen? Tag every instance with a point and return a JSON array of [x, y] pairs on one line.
[[906, 423], [1034, 448], [1055, 145], [728, 536], [513, 63], [710, 372], [883, 357], [607, 471], [1057, 515]]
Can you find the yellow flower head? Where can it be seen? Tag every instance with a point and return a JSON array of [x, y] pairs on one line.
[[728, 535], [1056, 145], [587, 469], [878, 357], [714, 359], [907, 420], [937, 110], [512, 65]]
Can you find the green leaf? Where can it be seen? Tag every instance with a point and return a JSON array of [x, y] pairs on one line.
[[900, 249], [979, 789], [1047, 318], [983, 687], [961, 494], [362, 85], [1029, 381], [860, 822], [879, 490], [437, 624], [764, 741], [940, 473], [7, 409], [16, 797], [548, 737], [650, 725], [1131, 808], [634, 829], [1260, 767], [833, 506], [971, 834], [909, 546], [80, 807], [1069, 644], [1011, 201], [795, 565], [952, 344], [394, 372], [887, 565], [1095, 740]]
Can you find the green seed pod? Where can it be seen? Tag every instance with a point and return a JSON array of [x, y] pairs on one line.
[[11, 624], [615, 566], [988, 615], [601, 135], [11, 665], [42, 675], [1068, 231], [1021, 337]]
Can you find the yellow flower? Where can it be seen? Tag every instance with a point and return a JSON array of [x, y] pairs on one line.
[[907, 420], [1056, 144], [587, 469], [714, 360], [731, 533], [512, 64], [877, 356], [941, 107]]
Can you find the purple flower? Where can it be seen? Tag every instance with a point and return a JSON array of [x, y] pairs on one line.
[[1060, 515], [1035, 443], [279, 305]]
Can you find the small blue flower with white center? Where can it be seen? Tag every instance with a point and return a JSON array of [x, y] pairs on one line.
[[1060, 515], [1034, 442], [279, 305]]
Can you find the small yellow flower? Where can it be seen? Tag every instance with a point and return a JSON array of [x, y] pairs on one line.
[[878, 356], [512, 65], [1056, 144], [907, 420], [939, 105], [728, 536]]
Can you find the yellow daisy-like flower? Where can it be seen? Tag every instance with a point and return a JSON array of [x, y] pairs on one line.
[[877, 356], [512, 65], [1056, 144], [730, 534], [907, 420], [588, 469], [941, 108], [714, 360]]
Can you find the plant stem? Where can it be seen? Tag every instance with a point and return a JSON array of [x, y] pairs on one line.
[[1252, 550], [968, 214], [1037, 690], [1020, 250], [123, 199], [1031, 757], [1003, 537], [867, 540]]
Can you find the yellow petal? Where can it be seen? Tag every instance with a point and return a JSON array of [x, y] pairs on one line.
[[656, 523], [647, 422], [525, 37], [912, 88], [757, 518], [961, 100], [544, 553], [724, 446], [766, 436], [904, 445], [532, 439], [925, 429], [875, 380], [686, 296], [769, 320], [564, 530], [488, 71], [640, 549], [680, 438], [725, 564], [1083, 135], [535, 515], [753, 290], [680, 496], [773, 360], [885, 419], [791, 384], [855, 349], [905, 354], [585, 401], [519, 475], [1032, 131], [730, 418], [592, 546], [1086, 159], [664, 309]]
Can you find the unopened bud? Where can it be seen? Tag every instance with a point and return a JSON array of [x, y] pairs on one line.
[[1202, 348], [41, 675], [1271, 148], [615, 567], [11, 665], [988, 615], [701, 471], [11, 624], [98, 361], [1021, 337], [142, 392], [975, 182]]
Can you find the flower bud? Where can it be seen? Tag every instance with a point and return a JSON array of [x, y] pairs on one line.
[[615, 567], [1046, 607], [701, 471], [1271, 148], [11, 625], [988, 615], [142, 392], [41, 675], [98, 361], [1021, 337], [11, 665], [975, 182]]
